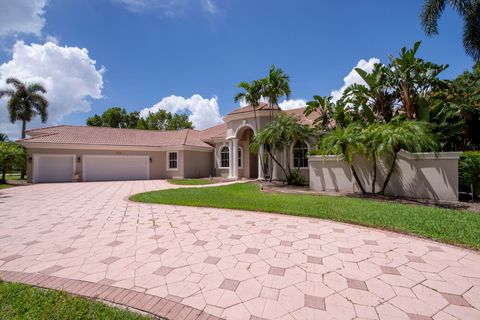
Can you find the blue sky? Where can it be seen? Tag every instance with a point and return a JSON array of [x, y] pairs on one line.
[[145, 50]]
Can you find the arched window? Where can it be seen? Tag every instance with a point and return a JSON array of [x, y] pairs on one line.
[[240, 157], [224, 157], [300, 150]]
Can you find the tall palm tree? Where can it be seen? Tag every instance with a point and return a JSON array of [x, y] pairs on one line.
[[278, 134], [251, 94], [26, 102], [376, 96], [275, 86], [470, 12]]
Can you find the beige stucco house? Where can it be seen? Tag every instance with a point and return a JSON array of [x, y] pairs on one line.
[[78, 153]]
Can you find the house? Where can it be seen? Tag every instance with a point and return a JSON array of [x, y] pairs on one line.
[[79, 153]]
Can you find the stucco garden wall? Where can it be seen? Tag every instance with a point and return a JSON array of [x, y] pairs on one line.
[[421, 176]]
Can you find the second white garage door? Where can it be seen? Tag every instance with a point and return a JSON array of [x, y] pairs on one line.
[[115, 167]]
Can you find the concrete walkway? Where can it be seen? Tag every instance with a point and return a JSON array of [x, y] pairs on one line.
[[227, 263]]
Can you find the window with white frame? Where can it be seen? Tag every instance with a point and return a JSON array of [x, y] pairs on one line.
[[300, 150], [172, 161], [224, 157], [240, 157]]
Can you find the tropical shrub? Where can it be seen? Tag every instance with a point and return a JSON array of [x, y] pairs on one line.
[[469, 172], [295, 178], [12, 156]]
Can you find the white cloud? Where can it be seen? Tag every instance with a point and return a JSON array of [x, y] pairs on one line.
[[22, 16], [353, 76], [68, 73], [292, 104], [204, 113], [168, 7]]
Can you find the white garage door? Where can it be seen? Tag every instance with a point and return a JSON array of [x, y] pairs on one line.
[[115, 167], [53, 167]]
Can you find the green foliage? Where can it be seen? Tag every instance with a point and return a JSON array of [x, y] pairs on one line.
[[279, 134], [115, 117], [18, 301], [12, 156], [469, 172], [451, 226], [295, 178], [413, 79], [3, 137], [275, 85], [469, 10], [251, 94], [163, 120], [25, 102]]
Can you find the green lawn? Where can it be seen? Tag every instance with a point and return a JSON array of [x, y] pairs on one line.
[[19, 301], [451, 226], [190, 182], [5, 186]]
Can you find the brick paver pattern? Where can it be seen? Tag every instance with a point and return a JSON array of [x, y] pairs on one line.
[[228, 263]]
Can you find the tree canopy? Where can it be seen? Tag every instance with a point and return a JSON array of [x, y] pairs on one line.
[[164, 120]]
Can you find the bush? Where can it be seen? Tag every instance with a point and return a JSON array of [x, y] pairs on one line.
[[469, 172], [295, 178]]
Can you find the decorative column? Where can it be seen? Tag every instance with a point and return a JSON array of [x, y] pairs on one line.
[[261, 174], [230, 160], [235, 158], [275, 165]]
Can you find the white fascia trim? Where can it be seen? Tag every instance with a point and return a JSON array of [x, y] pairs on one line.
[[69, 146], [430, 155], [328, 157]]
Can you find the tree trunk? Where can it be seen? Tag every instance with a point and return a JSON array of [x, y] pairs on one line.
[[276, 161], [374, 172], [3, 180], [354, 172], [24, 128], [389, 175]]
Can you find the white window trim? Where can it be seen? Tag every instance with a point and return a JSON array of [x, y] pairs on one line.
[[291, 155], [241, 157], [168, 161], [220, 156]]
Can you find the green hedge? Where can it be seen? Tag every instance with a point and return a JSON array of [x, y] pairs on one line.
[[469, 172]]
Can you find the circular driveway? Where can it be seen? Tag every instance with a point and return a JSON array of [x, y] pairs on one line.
[[229, 263]]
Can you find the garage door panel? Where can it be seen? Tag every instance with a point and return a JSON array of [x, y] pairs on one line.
[[108, 168], [54, 168]]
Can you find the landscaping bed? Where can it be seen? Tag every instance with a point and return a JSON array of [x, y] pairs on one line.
[[458, 227]]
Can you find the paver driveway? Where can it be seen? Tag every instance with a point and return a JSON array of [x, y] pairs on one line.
[[233, 264]]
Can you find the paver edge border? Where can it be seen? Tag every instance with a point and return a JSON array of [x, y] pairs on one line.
[[146, 303]]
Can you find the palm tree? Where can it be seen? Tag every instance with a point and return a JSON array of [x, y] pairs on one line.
[[376, 97], [325, 107], [251, 94], [25, 102], [470, 12], [413, 80], [3, 137], [275, 86], [412, 136], [279, 134], [346, 142]]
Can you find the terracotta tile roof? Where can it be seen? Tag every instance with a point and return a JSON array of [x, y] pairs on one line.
[[115, 137], [262, 106], [215, 132], [302, 119]]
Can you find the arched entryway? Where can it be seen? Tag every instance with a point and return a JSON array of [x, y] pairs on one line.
[[247, 160]]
